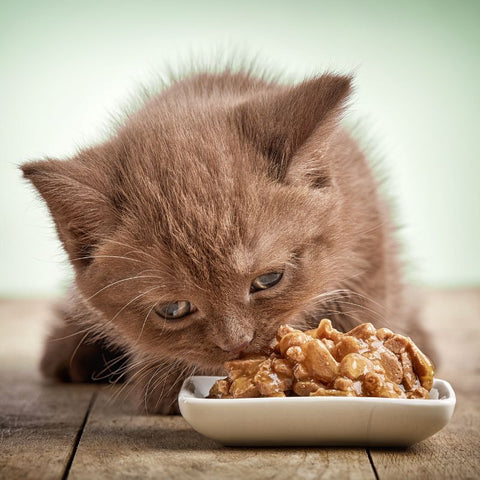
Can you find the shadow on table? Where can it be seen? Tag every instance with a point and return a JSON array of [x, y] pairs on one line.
[[186, 439]]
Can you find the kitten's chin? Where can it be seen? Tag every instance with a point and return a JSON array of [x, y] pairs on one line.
[[212, 363]]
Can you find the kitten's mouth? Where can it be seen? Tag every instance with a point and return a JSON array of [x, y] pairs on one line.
[[250, 351], [235, 356]]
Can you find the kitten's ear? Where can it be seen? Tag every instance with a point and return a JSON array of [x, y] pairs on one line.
[[82, 214], [279, 123]]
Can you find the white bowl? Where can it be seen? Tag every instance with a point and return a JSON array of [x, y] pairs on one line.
[[314, 420]]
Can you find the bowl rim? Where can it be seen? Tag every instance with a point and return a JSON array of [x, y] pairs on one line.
[[188, 395]]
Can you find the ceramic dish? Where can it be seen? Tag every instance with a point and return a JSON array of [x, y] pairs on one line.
[[314, 420]]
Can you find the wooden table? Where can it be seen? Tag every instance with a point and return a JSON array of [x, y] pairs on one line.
[[77, 432]]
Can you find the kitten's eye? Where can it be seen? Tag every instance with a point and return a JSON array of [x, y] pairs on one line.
[[175, 310], [267, 280]]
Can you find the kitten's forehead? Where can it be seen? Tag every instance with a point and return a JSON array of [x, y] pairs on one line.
[[189, 171], [205, 197], [187, 151], [223, 240]]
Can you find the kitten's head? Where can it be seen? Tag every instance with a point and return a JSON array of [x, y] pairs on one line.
[[209, 219]]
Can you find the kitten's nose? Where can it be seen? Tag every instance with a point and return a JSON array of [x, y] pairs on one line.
[[237, 347]]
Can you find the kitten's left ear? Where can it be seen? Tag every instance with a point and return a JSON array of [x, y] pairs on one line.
[[81, 211], [278, 123]]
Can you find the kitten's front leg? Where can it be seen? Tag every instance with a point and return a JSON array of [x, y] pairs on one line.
[[158, 386]]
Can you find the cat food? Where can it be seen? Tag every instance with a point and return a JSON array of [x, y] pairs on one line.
[[363, 362]]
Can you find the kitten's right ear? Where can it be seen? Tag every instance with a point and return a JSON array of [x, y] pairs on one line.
[[279, 121], [82, 214]]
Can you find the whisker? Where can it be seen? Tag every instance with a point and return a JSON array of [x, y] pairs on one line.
[[108, 365], [133, 248], [120, 281], [93, 257], [147, 388], [76, 349], [366, 297], [143, 324], [131, 301], [79, 332], [326, 295], [131, 382], [358, 305], [179, 379]]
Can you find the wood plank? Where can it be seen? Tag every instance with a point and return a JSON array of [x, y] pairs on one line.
[[39, 421], [452, 453], [454, 317], [39, 426], [118, 444]]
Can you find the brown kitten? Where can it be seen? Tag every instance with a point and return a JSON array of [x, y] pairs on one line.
[[217, 181]]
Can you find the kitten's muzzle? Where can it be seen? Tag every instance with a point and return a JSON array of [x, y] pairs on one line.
[[237, 347]]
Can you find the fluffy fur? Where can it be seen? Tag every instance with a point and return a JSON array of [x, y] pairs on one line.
[[219, 178]]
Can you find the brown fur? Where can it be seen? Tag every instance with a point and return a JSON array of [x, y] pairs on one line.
[[216, 180]]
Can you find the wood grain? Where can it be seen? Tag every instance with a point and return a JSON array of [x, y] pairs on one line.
[[454, 317], [39, 422], [117, 444], [38, 428]]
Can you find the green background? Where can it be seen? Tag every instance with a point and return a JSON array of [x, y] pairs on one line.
[[67, 66]]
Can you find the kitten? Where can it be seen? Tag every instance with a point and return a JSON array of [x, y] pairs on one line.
[[227, 205]]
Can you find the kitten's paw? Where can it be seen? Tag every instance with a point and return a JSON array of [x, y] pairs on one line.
[[71, 357], [68, 365]]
